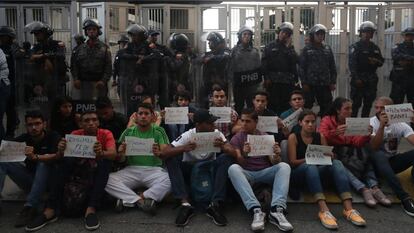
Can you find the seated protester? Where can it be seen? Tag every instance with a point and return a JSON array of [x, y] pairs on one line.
[[313, 175], [296, 102], [182, 99], [384, 145], [97, 171], [63, 118], [180, 161], [33, 175], [156, 117], [260, 100], [110, 119], [266, 169], [141, 170], [349, 150], [219, 97]]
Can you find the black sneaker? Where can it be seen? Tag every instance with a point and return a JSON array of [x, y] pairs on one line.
[[39, 222], [408, 206], [184, 215], [119, 206], [25, 216], [148, 207], [91, 222], [213, 211]]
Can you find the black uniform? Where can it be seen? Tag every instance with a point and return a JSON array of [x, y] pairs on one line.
[[279, 65], [364, 59]]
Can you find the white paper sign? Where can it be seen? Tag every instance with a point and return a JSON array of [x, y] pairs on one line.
[[138, 146], [205, 142], [399, 112], [315, 155], [261, 145], [292, 119], [357, 126], [223, 113], [267, 124], [79, 146], [12, 151], [176, 115]]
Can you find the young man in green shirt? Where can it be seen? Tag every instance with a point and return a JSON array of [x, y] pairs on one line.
[[142, 170]]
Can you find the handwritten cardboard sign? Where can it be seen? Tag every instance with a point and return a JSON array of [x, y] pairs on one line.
[[267, 124], [138, 146], [176, 115], [223, 113], [292, 119], [205, 142], [315, 155], [357, 126], [399, 112], [261, 145], [12, 151], [79, 146]]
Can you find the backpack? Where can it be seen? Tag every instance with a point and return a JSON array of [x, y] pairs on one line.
[[202, 183], [75, 191]]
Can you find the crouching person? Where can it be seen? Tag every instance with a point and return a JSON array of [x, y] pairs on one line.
[[33, 175], [93, 172], [142, 170], [181, 160], [265, 169]]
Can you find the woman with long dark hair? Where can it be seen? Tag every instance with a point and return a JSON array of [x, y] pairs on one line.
[[63, 118], [350, 150]]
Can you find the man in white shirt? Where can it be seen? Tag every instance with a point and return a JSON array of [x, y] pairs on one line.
[[384, 145], [180, 168]]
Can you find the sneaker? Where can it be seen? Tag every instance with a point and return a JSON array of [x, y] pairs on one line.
[[278, 218], [119, 206], [369, 198], [258, 223], [91, 222], [149, 206], [408, 206], [381, 198], [354, 217], [184, 215], [328, 220], [25, 216], [39, 222], [213, 211]]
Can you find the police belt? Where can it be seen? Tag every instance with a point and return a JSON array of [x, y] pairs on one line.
[[247, 78], [281, 77]]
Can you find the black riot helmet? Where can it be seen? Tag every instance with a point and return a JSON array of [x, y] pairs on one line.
[[367, 26], [179, 42], [79, 37], [136, 29], [7, 31], [408, 31], [92, 23], [285, 26], [37, 26], [215, 39], [123, 39]]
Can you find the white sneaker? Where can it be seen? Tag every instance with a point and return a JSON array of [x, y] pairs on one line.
[[258, 223], [278, 218]]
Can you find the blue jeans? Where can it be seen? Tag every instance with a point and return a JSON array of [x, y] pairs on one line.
[[313, 176], [4, 97], [277, 175], [35, 184], [369, 177], [388, 166], [180, 172]]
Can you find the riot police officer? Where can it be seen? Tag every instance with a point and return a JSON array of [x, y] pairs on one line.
[[245, 69], [122, 42], [49, 67], [364, 59], [279, 65], [92, 63], [179, 65], [403, 68], [13, 52], [215, 63], [317, 70]]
